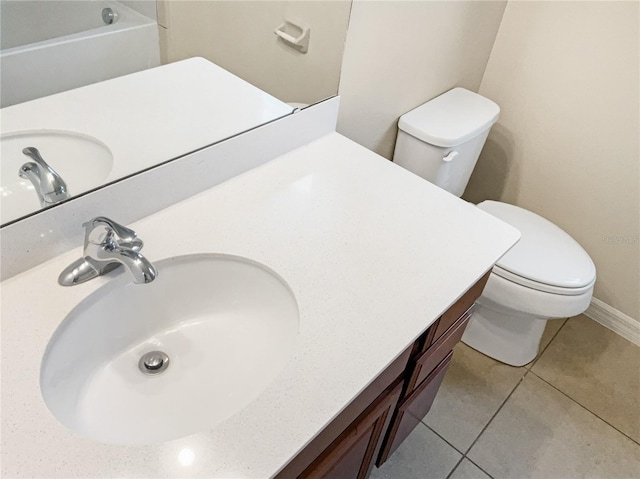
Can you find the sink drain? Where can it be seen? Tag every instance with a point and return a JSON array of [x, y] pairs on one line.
[[153, 362]]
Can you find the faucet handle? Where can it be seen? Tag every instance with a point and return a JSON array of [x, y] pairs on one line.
[[105, 231], [107, 245]]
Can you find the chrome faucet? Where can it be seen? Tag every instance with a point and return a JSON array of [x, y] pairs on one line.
[[49, 185], [108, 245]]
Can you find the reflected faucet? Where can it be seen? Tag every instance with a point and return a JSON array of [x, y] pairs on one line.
[[49, 185], [107, 245]]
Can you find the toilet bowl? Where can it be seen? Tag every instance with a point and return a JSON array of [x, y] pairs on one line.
[[546, 275]]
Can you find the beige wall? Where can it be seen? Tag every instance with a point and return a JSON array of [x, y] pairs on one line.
[[400, 54], [238, 36], [566, 75]]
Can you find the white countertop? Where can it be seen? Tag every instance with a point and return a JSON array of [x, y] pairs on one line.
[[373, 254]]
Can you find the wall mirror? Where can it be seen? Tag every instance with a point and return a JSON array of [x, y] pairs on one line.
[[291, 50]]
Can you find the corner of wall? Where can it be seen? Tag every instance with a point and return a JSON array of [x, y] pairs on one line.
[[495, 38]]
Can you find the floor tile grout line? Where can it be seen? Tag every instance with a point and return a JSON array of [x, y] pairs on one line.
[[585, 408], [524, 369], [454, 467], [496, 413], [464, 454], [472, 462], [437, 434], [548, 344], [460, 462], [450, 445]]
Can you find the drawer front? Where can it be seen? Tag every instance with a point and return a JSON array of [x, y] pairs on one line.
[[438, 351], [459, 307], [413, 409]]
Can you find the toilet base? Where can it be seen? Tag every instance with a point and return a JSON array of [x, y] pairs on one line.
[[509, 337]]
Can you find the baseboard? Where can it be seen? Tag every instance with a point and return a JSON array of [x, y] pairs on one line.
[[615, 320]]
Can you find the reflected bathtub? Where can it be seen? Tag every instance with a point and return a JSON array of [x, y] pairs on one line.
[[49, 46]]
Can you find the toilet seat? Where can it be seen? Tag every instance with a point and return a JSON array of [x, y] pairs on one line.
[[546, 258], [545, 288]]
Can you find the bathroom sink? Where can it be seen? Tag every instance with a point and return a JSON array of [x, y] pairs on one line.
[[82, 161], [227, 325]]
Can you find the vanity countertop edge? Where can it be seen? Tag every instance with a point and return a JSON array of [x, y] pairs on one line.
[[372, 253]]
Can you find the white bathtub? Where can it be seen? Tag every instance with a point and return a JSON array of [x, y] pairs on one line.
[[49, 46]]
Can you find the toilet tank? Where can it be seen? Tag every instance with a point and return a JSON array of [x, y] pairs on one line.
[[442, 139]]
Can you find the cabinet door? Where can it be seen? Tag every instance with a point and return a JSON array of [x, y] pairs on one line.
[[351, 456], [413, 409]]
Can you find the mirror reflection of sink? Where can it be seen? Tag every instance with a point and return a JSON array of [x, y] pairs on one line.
[[227, 324], [82, 161]]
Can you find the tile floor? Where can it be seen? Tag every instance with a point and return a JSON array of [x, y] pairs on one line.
[[572, 413]]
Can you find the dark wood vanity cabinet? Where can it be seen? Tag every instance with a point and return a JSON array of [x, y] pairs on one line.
[[372, 427], [412, 409], [352, 454]]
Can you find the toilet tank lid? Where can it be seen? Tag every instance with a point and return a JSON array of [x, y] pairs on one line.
[[451, 118], [545, 253]]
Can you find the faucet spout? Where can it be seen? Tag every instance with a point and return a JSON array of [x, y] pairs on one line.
[[140, 267], [107, 245], [49, 185]]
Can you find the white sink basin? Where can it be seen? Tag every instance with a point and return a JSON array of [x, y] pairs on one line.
[[227, 324], [82, 161]]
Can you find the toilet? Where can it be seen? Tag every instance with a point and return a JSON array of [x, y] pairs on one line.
[[546, 275]]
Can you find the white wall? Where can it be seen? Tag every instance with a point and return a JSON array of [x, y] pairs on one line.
[[566, 75], [400, 54], [238, 36]]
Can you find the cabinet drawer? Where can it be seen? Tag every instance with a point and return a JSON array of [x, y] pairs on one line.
[[459, 307], [413, 409], [438, 351]]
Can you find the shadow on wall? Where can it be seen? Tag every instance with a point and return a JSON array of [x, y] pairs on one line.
[[386, 144], [489, 178]]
